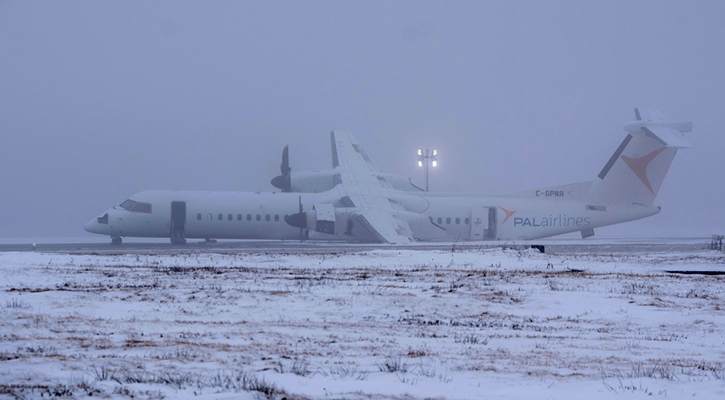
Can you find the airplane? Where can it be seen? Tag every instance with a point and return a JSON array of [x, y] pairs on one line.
[[356, 201]]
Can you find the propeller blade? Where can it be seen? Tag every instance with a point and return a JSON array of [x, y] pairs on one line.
[[302, 213], [284, 181], [284, 168]]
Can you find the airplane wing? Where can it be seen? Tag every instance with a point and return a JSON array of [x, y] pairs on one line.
[[370, 194]]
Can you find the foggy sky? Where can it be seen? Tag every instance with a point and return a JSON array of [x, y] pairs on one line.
[[100, 100]]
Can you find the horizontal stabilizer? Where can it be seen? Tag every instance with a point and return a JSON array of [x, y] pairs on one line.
[[668, 137], [655, 125], [649, 115]]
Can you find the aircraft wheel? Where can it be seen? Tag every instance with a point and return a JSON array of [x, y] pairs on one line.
[[116, 240]]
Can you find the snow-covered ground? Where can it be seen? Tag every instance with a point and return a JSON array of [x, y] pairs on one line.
[[416, 323]]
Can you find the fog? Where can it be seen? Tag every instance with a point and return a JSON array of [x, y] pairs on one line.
[[100, 100]]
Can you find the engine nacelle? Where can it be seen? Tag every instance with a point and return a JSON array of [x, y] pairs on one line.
[[327, 222], [319, 181], [314, 181], [399, 182]]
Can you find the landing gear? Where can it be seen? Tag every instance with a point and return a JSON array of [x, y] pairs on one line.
[[116, 240], [178, 240], [209, 240]]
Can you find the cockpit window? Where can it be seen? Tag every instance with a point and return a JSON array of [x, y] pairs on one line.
[[128, 204], [142, 208], [135, 206]]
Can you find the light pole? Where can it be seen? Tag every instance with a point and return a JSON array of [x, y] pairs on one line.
[[423, 162]]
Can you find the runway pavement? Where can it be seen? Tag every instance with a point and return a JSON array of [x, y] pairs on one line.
[[601, 246]]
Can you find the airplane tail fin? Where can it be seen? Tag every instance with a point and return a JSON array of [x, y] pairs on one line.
[[635, 172]]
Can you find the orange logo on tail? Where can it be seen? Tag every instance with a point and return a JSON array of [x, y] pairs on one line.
[[639, 166], [508, 214]]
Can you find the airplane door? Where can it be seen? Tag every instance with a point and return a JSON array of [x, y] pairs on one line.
[[178, 222], [491, 228], [479, 223]]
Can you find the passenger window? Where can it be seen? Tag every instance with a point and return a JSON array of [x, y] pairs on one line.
[[276, 217], [448, 220], [458, 221], [249, 217], [198, 216], [266, 217], [440, 220], [209, 217], [230, 217], [467, 221], [220, 216], [259, 217], [239, 217]]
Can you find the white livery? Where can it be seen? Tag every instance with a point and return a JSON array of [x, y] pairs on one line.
[[355, 201]]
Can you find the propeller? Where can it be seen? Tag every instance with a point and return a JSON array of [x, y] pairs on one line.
[[298, 220], [284, 181]]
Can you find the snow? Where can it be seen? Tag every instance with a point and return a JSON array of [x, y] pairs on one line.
[[477, 322]]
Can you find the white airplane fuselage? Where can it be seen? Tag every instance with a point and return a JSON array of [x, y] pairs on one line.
[[356, 201], [251, 215]]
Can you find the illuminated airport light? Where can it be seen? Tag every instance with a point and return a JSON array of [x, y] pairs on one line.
[[426, 160]]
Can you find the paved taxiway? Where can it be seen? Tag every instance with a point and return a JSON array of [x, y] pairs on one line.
[[600, 246]]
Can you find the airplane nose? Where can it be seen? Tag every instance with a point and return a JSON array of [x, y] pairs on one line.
[[90, 226]]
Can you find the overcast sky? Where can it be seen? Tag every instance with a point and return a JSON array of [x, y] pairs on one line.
[[100, 100]]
